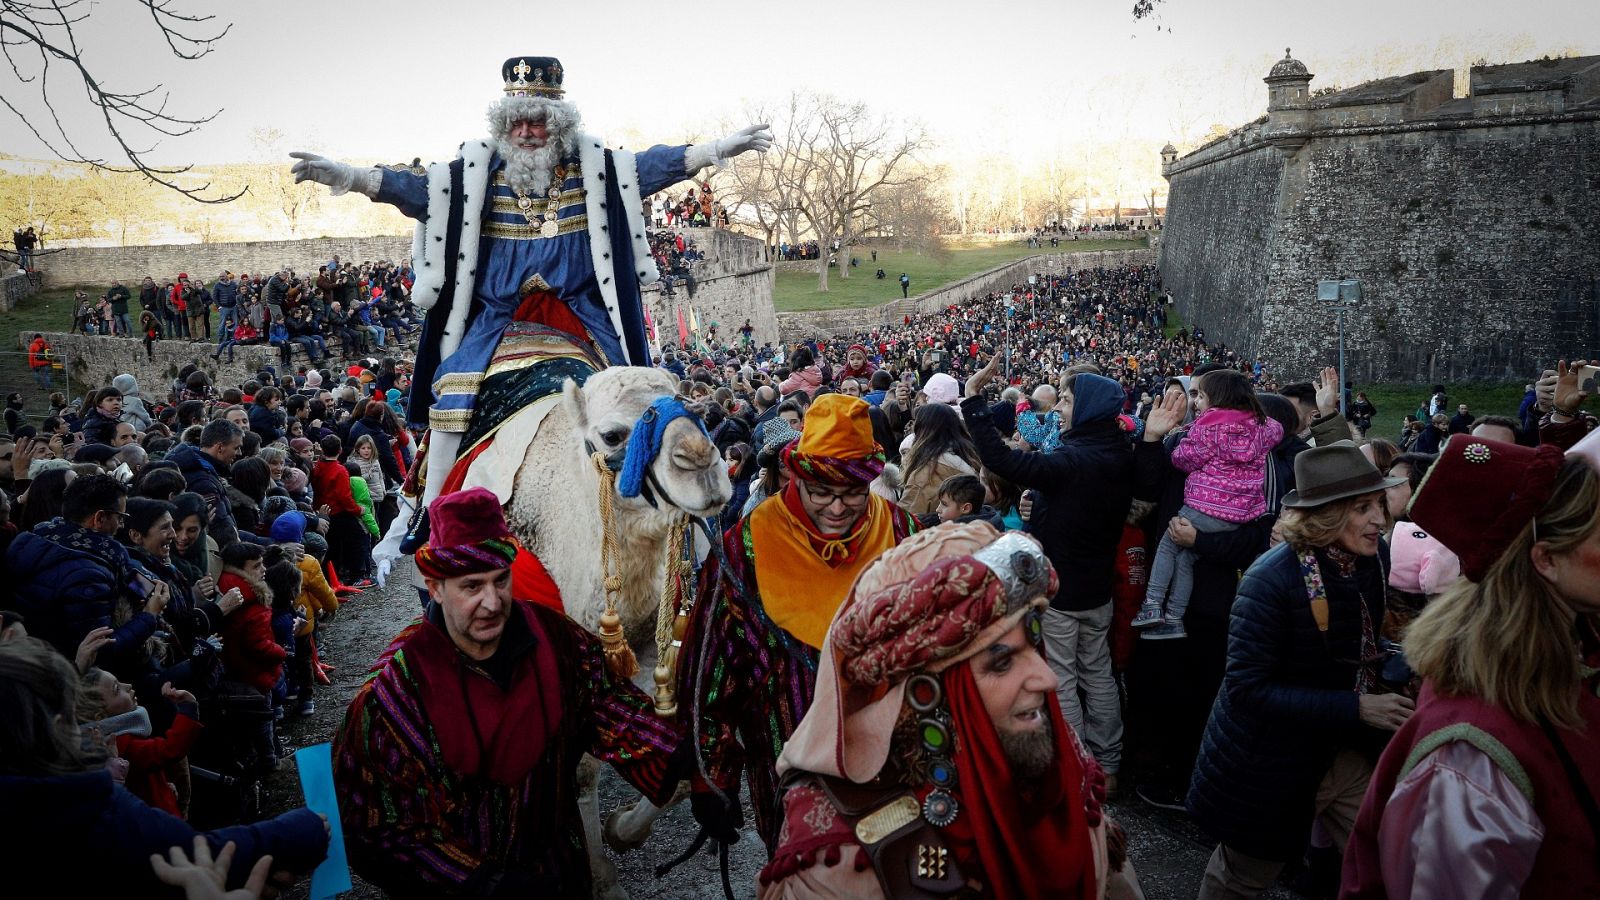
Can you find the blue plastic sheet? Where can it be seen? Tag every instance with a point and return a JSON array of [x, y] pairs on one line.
[[316, 783]]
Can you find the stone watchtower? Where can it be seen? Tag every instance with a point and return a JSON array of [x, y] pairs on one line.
[[1288, 104], [1169, 155]]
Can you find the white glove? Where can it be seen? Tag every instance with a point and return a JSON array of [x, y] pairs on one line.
[[337, 175], [751, 137], [388, 549]]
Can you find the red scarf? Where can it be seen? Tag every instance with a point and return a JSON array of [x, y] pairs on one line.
[[833, 549], [1022, 848], [483, 731]]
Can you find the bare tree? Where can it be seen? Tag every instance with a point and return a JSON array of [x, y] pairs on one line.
[[835, 156], [758, 189], [277, 185], [39, 39], [120, 201], [911, 214]]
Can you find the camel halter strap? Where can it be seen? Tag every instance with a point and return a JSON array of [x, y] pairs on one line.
[[619, 656]]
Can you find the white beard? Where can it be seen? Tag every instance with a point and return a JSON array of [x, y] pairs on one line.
[[528, 171]]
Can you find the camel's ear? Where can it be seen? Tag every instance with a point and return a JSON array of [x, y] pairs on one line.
[[572, 399]]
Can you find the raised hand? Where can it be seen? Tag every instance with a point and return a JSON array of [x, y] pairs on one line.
[[750, 137], [89, 647], [1328, 390], [334, 174], [174, 695], [1568, 395], [1165, 414], [980, 378]]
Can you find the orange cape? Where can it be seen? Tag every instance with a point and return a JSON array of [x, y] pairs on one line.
[[799, 589]]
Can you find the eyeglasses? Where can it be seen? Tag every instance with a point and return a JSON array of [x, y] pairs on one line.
[[824, 497], [121, 516]]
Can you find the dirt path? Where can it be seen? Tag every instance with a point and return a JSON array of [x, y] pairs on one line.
[[1168, 851]]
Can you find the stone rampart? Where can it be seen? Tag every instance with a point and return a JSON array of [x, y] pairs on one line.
[[733, 283], [17, 285], [794, 326], [94, 360], [1472, 224], [1216, 247], [98, 265]]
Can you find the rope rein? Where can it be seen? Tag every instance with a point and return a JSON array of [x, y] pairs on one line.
[[619, 656]]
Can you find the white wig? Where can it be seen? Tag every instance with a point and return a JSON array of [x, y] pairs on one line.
[[561, 118]]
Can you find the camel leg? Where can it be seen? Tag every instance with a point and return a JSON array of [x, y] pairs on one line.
[[630, 826], [603, 872]]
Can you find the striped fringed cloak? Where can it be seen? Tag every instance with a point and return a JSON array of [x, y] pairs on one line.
[[743, 682], [416, 828]]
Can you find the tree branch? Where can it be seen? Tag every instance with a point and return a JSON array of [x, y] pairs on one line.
[[50, 30]]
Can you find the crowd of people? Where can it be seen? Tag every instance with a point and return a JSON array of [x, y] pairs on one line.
[[342, 312], [171, 558], [1288, 630], [1177, 580], [696, 208]]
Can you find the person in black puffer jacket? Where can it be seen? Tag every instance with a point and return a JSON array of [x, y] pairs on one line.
[[1085, 487], [1297, 724]]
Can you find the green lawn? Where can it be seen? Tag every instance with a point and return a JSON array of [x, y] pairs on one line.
[[797, 291], [50, 310], [1396, 401]]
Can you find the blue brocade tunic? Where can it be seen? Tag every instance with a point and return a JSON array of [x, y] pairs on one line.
[[514, 259]]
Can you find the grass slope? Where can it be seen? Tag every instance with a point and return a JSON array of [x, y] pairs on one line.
[[797, 291]]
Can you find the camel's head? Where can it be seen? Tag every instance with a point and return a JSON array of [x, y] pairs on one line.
[[689, 474]]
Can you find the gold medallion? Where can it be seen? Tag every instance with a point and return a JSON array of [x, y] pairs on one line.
[[549, 229]]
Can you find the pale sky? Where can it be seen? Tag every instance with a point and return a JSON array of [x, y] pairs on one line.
[[392, 80]]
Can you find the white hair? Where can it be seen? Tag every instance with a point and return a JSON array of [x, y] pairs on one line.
[[528, 171]]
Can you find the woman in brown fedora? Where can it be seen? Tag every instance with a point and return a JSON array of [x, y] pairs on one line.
[[1297, 723]]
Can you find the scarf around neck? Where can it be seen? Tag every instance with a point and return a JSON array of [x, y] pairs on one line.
[[802, 575], [1024, 841]]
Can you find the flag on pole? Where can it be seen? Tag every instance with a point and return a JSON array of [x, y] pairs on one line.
[[694, 321], [683, 330]]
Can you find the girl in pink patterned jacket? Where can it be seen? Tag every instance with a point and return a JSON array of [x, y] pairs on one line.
[[1225, 453]]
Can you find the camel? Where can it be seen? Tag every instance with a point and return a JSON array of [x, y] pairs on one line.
[[554, 511]]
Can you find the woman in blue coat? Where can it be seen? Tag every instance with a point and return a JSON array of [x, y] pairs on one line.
[[1298, 722]]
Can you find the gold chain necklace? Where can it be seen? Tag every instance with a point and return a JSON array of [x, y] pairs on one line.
[[546, 220]]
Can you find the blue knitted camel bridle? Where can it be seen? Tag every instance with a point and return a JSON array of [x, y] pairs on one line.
[[644, 444]]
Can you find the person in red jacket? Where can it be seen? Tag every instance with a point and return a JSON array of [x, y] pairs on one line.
[[250, 655], [330, 487], [39, 356], [149, 759]]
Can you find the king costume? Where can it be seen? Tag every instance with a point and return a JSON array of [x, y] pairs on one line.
[[457, 777], [750, 652], [490, 249]]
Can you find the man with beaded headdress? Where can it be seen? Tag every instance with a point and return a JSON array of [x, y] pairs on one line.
[[750, 652], [538, 222], [456, 764], [934, 761]]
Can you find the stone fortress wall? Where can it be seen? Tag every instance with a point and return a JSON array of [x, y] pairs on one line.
[[1471, 222], [733, 283], [96, 266]]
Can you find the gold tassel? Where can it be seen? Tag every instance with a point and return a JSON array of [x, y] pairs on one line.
[[667, 672], [619, 656]]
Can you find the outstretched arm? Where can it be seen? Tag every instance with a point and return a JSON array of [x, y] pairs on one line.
[[406, 190], [660, 167]]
